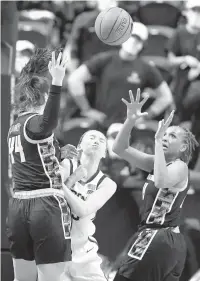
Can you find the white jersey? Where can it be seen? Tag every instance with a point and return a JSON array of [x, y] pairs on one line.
[[86, 264], [84, 228]]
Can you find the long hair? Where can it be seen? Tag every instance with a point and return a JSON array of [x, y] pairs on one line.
[[34, 81], [38, 63], [30, 93], [191, 143]]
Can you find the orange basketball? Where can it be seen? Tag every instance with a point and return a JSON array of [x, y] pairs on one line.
[[113, 26]]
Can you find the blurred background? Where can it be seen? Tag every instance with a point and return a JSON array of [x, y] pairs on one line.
[[171, 49]]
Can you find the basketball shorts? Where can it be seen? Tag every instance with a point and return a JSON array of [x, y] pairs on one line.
[[38, 228], [153, 255], [85, 264]]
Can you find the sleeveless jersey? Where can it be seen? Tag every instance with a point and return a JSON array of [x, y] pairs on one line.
[[83, 228], [161, 207], [35, 163]]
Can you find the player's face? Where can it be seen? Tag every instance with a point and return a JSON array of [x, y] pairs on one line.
[[132, 46], [94, 142], [173, 142]]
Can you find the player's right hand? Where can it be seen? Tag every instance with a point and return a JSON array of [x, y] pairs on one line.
[[69, 151], [94, 114], [79, 174], [57, 69], [134, 107]]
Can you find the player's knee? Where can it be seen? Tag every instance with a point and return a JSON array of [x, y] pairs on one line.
[[50, 272], [24, 270]]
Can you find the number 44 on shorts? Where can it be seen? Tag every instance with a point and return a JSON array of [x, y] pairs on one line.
[[15, 146]]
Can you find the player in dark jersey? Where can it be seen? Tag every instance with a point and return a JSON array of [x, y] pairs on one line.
[[39, 219], [157, 251], [87, 190]]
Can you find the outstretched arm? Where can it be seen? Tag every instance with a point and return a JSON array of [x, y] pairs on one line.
[[121, 145], [174, 175], [95, 201], [41, 126]]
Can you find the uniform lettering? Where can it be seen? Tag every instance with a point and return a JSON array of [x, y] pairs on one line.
[[15, 146]]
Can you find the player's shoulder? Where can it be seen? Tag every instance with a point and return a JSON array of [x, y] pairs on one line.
[[108, 181], [180, 166], [18, 123]]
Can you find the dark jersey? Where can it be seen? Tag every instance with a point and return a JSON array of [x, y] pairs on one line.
[[116, 77], [161, 207], [33, 149]]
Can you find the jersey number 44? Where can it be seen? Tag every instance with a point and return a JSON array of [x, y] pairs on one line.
[[15, 146]]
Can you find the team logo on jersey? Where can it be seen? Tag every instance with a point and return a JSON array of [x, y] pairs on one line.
[[91, 188], [134, 78]]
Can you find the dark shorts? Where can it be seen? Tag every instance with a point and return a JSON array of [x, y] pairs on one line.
[[163, 258], [39, 229]]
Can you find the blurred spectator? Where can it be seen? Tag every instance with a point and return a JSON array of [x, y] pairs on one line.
[[178, 4], [162, 13], [83, 42], [195, 174], [184, 53], [130, 6], [117, 72], [24, 50]]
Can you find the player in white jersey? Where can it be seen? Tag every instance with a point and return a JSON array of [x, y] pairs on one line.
[[87, 189]]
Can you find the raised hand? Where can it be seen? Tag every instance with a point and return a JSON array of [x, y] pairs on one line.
[[79, 174], [134, 107], [162, 126], [69, 151], [57, 69]]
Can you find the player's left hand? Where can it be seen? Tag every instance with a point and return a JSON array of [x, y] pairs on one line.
[[162, 126], [69, 151]]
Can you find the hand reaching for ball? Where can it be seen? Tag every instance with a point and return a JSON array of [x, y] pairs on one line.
[[135, 105]]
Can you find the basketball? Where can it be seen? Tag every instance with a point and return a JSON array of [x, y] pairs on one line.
[[113, 26]]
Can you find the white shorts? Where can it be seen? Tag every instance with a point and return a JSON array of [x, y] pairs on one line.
[[85, 264]]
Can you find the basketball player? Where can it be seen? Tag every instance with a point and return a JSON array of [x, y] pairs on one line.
[[157, 251], [39, 218], [87, 190]]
